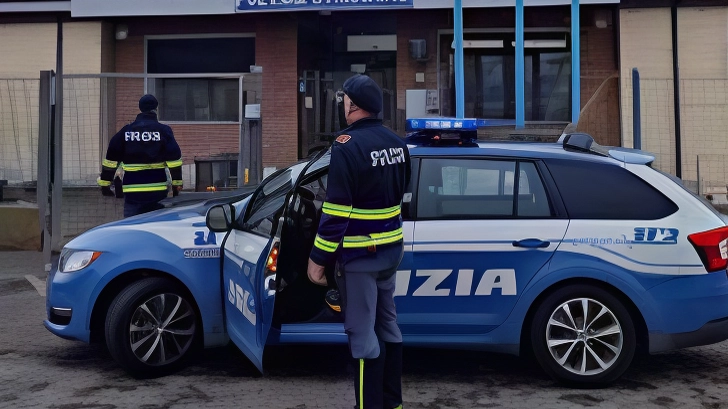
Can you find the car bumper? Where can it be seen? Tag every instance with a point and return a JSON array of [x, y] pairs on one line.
[[68, 298], [710, 333], [693, 311]]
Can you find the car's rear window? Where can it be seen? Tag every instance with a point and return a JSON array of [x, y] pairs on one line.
[[592, 190]]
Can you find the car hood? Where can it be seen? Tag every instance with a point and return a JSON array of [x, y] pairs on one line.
[[179, 222]]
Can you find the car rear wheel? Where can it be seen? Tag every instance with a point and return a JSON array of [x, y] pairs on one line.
[[583, 336], [151, 327]]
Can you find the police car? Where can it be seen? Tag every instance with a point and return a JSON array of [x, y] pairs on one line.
[[578, 254]]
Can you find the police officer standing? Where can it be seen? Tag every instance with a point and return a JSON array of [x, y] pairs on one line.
[[143, 149], [361, 232]]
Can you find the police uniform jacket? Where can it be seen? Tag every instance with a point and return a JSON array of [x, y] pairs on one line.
[[368, 174], [143, 149]]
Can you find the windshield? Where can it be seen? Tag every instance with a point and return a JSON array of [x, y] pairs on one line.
[[270, 196]]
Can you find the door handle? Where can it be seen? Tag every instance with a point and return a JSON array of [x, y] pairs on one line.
[[531, 243]]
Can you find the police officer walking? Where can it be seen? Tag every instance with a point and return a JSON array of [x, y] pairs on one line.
[[143, 149], [361, 233]]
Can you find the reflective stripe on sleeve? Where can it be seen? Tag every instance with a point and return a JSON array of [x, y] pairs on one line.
[[146, 166], [177, 183], [325, 245], [373, 239], [102, 182], [110, 163], [146, 187], [336, 210], [174, 163]]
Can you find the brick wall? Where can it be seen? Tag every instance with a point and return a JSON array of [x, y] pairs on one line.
[[276, 51]]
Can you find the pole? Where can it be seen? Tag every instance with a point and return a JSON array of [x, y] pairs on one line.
[[575, 63], [636, 116], [459, 61], [57, 146], [520, 70]]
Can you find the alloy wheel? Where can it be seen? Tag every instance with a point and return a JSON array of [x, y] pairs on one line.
[[584, 337], [162, 329]]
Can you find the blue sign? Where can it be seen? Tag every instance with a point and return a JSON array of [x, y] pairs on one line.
[[300, 5]]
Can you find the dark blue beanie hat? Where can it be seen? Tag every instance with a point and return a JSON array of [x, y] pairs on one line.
[[148, 103], [364, 93]]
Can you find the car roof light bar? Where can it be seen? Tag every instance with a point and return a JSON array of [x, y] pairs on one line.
[[444, 124]]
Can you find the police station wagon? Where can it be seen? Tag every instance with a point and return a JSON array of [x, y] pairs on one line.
[[578, 254]]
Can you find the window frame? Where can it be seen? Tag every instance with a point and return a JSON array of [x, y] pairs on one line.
[[211, 75], [497, 33]]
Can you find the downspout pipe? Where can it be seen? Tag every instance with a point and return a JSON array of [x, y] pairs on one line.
[[676, 91]]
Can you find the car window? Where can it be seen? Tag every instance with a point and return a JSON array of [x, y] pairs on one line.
[[480, 188], [269, 198], [594, 190]]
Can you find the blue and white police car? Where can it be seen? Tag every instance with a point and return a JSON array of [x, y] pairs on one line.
[[576, 253]]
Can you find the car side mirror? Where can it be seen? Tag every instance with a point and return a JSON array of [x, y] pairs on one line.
[[220, 218]]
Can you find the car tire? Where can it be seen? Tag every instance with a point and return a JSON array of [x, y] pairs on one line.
[[152, 327], [578, 349]]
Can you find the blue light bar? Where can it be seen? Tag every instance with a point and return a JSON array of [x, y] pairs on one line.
[[445, 124]]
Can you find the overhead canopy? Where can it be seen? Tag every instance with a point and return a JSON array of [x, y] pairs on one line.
[[100, 8]]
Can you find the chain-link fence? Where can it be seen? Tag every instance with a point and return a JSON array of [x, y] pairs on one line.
[[201, 108]]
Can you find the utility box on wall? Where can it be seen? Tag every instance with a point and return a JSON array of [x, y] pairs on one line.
[[421, 103], [371, 43]]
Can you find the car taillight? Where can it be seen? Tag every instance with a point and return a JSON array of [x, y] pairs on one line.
[[712, 247], [271, 265]]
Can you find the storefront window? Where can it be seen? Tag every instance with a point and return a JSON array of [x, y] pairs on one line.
[[489, 74], [198, 98]]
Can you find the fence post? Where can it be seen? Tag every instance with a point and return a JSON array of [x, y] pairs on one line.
[[45, 121], [636, 116]]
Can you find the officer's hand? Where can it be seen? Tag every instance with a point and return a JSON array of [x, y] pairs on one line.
[[106, 191], [176, 190], [316, 273]]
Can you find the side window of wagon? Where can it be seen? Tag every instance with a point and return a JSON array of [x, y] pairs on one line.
[[592, 190], [451, 188]]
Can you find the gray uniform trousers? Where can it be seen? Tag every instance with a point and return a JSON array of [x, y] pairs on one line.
[[366, 285]]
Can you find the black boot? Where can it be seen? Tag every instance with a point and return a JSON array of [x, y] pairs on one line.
[[393, 375]]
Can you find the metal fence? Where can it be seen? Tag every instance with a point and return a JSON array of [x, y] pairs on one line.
[[94, 108]]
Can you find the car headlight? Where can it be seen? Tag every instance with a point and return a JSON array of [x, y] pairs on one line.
[[74, 260]]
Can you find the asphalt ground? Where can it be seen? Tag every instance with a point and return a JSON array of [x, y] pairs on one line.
[[40, 370]]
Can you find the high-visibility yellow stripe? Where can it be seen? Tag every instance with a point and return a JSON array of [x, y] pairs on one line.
[[360, 214], [146, 166], [325, 245], [373, 239], [177, 183], [102, 182], [174, 163], [375, 214], [336, 210], [147, 187], [361, 384], [110, 163]]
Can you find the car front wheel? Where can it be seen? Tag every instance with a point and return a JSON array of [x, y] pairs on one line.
[[583, 336], [151, 327]]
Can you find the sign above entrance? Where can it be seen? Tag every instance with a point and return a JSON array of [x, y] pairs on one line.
[[301, 5]]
